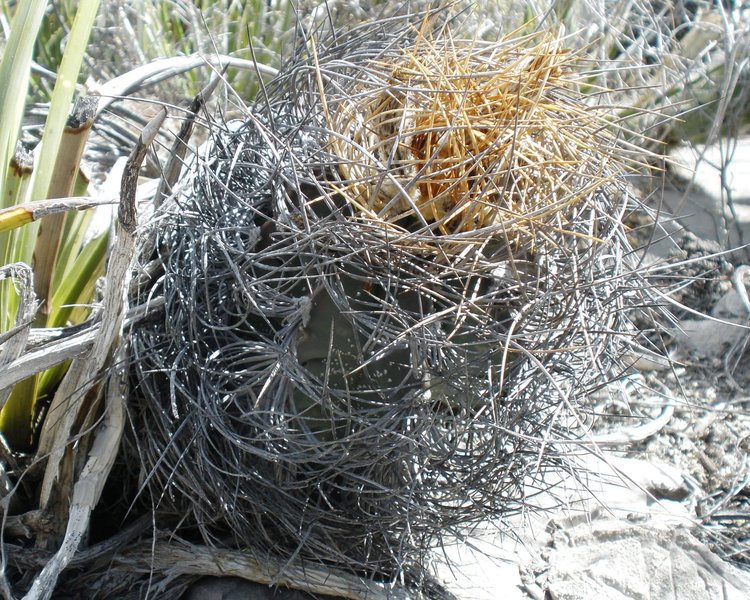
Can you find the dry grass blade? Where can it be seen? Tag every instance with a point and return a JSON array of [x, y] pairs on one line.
[[160, 70], [22, 214], [56, 346], [78, 391], [56, 433], [63, 178], [180, 147], [189, 559], [13, 342], [88, 487]]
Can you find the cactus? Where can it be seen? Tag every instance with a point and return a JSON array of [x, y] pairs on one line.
[[388, 293]]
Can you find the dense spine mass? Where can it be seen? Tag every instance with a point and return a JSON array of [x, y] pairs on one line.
[[388, 293]]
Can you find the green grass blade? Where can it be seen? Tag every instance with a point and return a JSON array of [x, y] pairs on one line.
[[70, 304], [18, 177], [63, 180], [78, 285], [18, 180], [15, 70], [17, 414], [62, 95], [74, 235]]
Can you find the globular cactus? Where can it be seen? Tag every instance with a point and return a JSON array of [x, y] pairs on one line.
[[388, 293]]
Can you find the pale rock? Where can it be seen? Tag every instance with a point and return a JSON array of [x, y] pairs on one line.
[[702, 207], [618, 560]]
